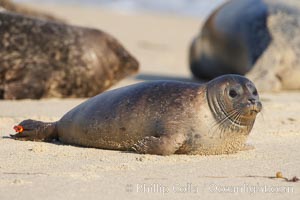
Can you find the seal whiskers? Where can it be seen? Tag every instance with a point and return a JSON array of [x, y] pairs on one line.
[[219, 124]]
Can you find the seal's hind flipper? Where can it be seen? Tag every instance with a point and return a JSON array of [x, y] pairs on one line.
[[35, 131]]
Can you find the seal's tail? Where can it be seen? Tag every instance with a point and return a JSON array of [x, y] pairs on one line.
[[35, 131]]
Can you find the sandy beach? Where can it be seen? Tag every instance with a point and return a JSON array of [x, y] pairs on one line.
[[35, 170]]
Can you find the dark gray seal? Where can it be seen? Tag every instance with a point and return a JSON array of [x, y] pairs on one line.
[[161, 117], [41, 59], [256, 38]]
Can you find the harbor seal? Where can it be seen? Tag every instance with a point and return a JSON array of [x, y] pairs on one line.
[[42, 59], [160, 117], [256, 38]]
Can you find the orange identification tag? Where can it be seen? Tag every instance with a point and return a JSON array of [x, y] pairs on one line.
[[19, 129]]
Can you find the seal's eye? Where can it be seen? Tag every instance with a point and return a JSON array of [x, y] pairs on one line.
[[232, 93], [255, 93]]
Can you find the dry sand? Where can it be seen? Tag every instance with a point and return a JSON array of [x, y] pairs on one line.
[[32, 170]]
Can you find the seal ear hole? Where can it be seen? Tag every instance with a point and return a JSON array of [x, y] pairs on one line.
[[233, 93]]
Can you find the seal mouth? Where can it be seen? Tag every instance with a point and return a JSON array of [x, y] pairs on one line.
[[255, 108], [253, 111]]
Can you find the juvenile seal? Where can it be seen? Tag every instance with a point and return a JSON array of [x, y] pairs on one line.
[[256, 38], [41, 59], [160, 117]]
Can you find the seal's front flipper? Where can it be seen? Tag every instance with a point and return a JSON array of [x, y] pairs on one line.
[[164, 145], [35, 131]]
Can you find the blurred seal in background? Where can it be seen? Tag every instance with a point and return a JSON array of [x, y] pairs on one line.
[[256, 38], [41, 59]]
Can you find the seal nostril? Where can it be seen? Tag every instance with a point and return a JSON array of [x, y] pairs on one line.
[[252, 101], [255, 93]]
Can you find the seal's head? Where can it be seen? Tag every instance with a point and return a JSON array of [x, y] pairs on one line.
[[234, 102]]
